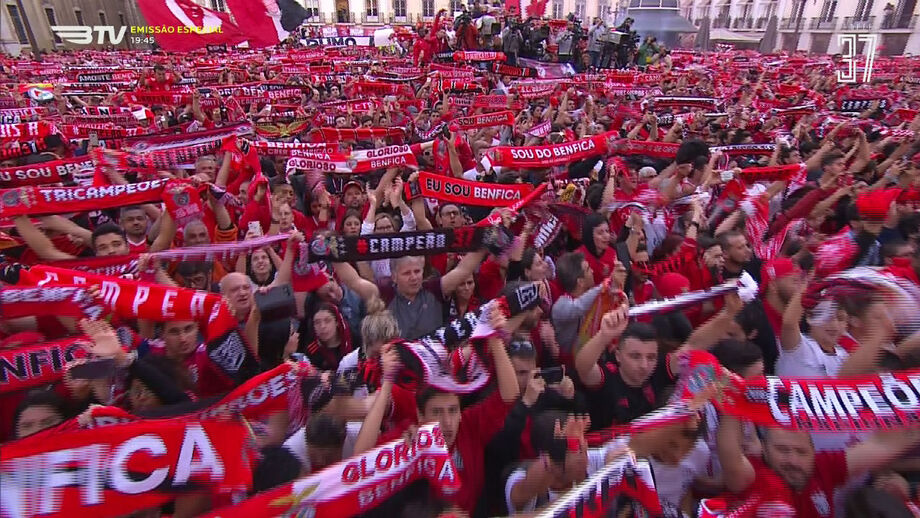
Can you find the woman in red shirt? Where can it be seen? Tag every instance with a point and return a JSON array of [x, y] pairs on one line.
[[595, 238]]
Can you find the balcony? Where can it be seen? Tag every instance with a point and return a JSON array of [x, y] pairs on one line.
[[721, 22], [761, 23], [370, 18], [851, 23], [817, 24], [742, 23], [789, 24], [904, 23]]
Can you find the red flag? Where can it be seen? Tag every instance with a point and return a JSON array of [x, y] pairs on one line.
[[189, 26], [261, 21], [537, 8]]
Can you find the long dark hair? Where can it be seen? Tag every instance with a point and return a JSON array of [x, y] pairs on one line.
[[592, 221]]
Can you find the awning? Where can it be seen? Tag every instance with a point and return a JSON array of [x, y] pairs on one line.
[[727, 35]]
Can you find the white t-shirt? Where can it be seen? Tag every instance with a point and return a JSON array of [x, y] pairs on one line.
[[297, 444], [808, 360], [596, 458]]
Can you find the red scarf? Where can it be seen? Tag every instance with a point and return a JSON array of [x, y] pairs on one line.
[[473, 55], [37, 201], [358, 484], [486, 120], [455, 190], [43, 173], [647, 148], [551, 155], [226, 348], [28, 366], [256, 399], [337, 134], [165, 458], [27, 131]]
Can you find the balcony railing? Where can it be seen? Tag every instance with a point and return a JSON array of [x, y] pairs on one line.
[[721, 22], [819, 24], [762, 22], [742, 23], [891, 23], [370, 18], [789, 23], [851, 23]]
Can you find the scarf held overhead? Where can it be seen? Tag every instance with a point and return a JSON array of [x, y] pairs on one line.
[[455, 190], [37, 201], [386, 246], [552, 155]]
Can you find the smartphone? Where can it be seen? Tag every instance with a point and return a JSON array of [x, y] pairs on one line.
[[552, 375], [97, 368], [93, 139], [255, 228]]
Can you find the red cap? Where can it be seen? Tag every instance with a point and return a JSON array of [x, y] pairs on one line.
[[672, 284], [874, 205], [777, 268]]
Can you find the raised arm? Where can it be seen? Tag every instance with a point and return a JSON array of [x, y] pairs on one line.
[[370, 429], [791, 335], [349, 277], [38, 241], [737, 471], [465, 268], [287, 264], [612, 326], [880, 449]]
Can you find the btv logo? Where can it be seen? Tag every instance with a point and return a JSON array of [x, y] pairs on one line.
[[83, 35]]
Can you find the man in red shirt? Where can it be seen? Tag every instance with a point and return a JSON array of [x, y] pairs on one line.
[[162, 81], [790, 472]]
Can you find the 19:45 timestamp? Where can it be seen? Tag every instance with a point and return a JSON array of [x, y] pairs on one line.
[[141, 39]]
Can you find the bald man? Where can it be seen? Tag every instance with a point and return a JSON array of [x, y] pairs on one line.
[[236, 289]]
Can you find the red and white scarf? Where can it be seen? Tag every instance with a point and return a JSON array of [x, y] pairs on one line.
[[358, 484]]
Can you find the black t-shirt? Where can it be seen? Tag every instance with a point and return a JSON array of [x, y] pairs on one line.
[[615, 402]]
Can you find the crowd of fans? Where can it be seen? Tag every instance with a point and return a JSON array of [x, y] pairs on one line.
[[676, 200]]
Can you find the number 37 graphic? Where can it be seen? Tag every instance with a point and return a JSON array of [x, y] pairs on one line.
[[848, 49]]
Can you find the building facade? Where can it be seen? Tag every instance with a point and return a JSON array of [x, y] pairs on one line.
[[820, 23], [410, 12], [814, 25], [26, 24]]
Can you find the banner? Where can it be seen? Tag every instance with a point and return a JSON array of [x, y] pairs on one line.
[[358, 484], [119, 469], [43, 173], [464, 192]]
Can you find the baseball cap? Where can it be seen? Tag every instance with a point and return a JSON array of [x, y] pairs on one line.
[[776, 268]]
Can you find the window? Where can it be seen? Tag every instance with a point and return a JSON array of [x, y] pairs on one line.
[[370, 8], [102, 20], [312, 7], [428, 8], [218, 5], [79, 14], [580, 9], [863, 9], [456, 6], [399, 8], [17, 23], [603, 8], [52, 21], [828, 10], [557, 9]]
